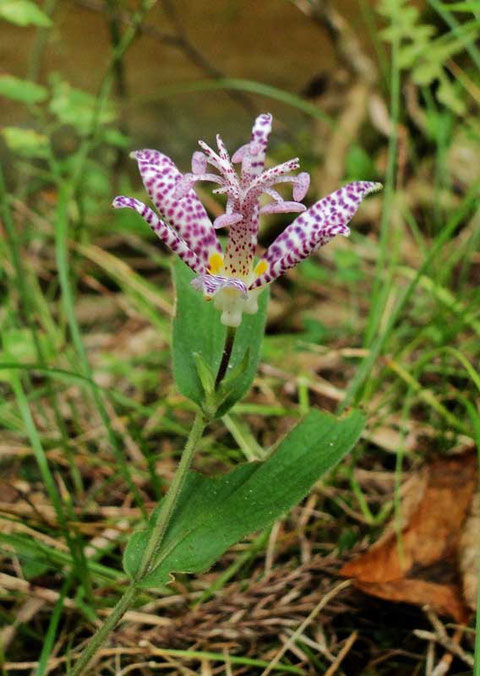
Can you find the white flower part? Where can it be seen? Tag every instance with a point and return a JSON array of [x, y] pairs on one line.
[[251, 302], [229, 295], [233, 304]]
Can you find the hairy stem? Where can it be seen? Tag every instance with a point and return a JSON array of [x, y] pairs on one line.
[[105, 630], [147, 563]]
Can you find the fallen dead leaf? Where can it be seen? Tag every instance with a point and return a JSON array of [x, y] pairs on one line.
[[445, 599], [469, 550], [421, 566]]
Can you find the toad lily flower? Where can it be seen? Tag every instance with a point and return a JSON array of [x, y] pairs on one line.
[[231, 278]]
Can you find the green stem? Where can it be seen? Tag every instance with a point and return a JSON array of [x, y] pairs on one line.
[[105, 630], [387, 253], [148, 561], [149, 558], [147, 564]]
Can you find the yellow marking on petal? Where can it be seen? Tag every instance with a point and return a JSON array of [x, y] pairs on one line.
[[261, 267], [215, 263], [231, 292]]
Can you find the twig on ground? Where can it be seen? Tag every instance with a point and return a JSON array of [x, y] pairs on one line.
[[444, 665], [324, 601], [11, 583], [447, 643], [270, 553], [23, 615], [343, 652]]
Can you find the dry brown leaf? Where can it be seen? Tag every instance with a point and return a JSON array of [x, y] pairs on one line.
[[444, 598], [468, 553], [421, 566]]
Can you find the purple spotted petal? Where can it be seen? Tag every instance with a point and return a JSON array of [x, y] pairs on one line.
[[252, 154], [282, 207], [300, 187], [314, 228], [167, 234], [225, 220], [211, 284], [274, 175], [186, 215], [187, 181], [240, 153], [199, 162]]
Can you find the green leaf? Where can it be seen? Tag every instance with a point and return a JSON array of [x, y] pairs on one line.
[[19, 347], [197, 330], [359, 162], [21, 90], [214, 513], [459, 6], [114, 137], [23, 13], [75, 107], [207, 377], [33, 560], [450, 96], [26, 142]]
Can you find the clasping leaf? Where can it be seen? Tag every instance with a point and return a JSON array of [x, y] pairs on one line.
[[214, 513], [198, 340]]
